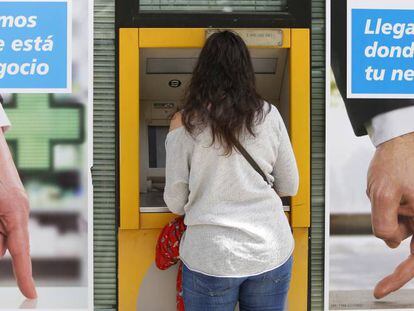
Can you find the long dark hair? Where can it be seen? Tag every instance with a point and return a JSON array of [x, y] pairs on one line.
[[222, 91]]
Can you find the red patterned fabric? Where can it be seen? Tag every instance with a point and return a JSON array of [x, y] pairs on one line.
[[167, 252]]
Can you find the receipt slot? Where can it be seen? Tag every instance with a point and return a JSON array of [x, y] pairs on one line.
[[155, 65]]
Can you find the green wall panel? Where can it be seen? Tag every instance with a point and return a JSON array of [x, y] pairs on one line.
[[104, 178], [316, 264]]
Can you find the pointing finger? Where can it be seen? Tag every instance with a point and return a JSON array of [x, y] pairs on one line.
[[401, 275], [18, 245]]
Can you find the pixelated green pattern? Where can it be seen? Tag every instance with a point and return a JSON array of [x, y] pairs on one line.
[[35, 124]]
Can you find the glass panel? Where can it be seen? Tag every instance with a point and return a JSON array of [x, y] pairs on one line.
[[214, 5]]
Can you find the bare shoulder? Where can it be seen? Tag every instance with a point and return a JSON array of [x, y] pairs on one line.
[[272, 114], [176, 121]]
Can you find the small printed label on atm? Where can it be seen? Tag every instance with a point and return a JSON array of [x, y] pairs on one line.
[[257, 37], [174, 83], [163, 105]]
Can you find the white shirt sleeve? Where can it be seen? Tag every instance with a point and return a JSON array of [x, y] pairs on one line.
[[389, 125], [177, 170], [4, 120], [285, 170]]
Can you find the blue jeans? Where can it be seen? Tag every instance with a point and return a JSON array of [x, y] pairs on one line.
[[266, 291]]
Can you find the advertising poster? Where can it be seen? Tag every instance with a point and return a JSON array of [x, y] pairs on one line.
[[45, 85], [35, 47], [380, 49], [369, 149]]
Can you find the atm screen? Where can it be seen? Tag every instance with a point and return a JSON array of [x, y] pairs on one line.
[[156, 145], [186, 65]]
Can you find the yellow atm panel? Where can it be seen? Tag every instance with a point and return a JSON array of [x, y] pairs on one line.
[[154, 66]]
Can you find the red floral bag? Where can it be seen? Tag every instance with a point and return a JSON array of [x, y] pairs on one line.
[[167, 252]]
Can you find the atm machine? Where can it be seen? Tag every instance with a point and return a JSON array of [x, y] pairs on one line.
[[154, 67]]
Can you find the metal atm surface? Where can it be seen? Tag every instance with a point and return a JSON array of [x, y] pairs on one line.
[[139, 285]]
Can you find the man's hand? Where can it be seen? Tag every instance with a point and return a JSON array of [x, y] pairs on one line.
[[390, 189], [14, 218]]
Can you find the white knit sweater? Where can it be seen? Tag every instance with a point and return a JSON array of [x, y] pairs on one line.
[[235, 221]]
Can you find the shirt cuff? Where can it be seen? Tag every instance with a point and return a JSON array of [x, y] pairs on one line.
[[389, 125], [4, 120]]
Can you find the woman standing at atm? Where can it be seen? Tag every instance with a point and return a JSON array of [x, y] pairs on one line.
[[238, 244]]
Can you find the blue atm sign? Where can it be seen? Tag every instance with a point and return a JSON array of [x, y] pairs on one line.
[[35, 46], [380, 49]]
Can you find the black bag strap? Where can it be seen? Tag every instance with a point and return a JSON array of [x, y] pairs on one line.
[[249, 159]]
